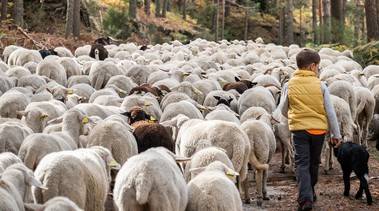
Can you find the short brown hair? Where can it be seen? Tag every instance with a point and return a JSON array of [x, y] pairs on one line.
[[307, 57]]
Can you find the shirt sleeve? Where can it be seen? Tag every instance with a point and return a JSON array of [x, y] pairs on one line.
[[330, 113], [284, 101]]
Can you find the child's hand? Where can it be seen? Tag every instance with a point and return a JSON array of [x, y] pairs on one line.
[[335, 142]]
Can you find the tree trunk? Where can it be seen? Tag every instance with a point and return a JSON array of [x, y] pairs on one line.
[[246, 23], [184, 8], [157, 7], [337, 20], [133, 9], [281, 23], [147, 7], [4, 10], [288, 23], [321, 25], [377, 11], [217, 19], [69, 18], [314, 21], [222, 18], [326, 21], [371, 20], [164, 8], [301, 26], [357, 22], [76, 21], [18, 12]]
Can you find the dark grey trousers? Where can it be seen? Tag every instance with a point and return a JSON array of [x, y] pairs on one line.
[[307, 160]]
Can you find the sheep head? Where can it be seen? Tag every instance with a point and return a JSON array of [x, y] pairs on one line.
[[136, 114]]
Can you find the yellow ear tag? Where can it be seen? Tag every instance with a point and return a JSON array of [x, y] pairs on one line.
[[85, 120], [70, 91], [43, 116], [230, 174], [152, 119], [113, 163]]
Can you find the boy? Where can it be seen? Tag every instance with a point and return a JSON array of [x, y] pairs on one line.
[[307, 105]]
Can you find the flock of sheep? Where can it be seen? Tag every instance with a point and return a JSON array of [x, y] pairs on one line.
[[180, 124]]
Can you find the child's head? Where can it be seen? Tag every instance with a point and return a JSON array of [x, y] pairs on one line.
[[308, 59]]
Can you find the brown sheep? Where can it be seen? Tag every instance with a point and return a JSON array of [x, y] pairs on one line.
[[147, 132], [157, 91], [240, 85]]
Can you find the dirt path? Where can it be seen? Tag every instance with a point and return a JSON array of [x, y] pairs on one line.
[[282, 189]]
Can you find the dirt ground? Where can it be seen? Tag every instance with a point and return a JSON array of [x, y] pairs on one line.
[[282, 189]]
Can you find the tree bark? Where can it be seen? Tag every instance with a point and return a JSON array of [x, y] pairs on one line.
[[314, 21], [357, 22], [301, 26], [76, 20], [18, 12], [288, 23], [222, 18], [338, 21], [133, 9], [4, 10], [246, 23], [281, 22], [147, 7], [377, 11], [371, 20], [321, 24], [184, 8], [326, 21], [157, 8], [69, 18], [164, 8], [217, 20]]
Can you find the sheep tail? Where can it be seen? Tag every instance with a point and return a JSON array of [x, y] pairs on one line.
[[360, 107], [143, 187], [99, 81], [257, 165]]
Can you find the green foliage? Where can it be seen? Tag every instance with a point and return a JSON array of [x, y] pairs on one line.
[[367, 54], [117, 24]]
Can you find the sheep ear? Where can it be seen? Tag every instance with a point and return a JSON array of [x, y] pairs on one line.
[[56, 120], [114, 165], [258, 117], [254, 83], [35, 207], [237, 79], [21, 113], [182, 159], [274, 120], [197, 170], [127, 114], [217, 97], [36, 183], [230, 100]]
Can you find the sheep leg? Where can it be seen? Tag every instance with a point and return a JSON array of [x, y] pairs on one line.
[[259, 182], [326, 158], [284, 152], [264, 188], [330, 158], [346, 181], [245, 186]]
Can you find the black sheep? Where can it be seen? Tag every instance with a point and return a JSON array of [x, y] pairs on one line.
[[98, 52], [148, 133], [47, 52], [354, 157], [103, 41]]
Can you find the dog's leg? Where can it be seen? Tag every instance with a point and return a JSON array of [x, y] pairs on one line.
[[361, 188], [365, 185], [346, 181]]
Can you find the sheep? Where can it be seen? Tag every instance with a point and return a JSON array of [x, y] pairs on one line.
[[108, 100], [373, 81], [6, 84], [83, 51], [53, 70], [365, 112], [203, 158], [84, 90], [121, 82], [173, 97], [54, 204], [15, 183], [78, 79], [263, 146], [17, 72], [213, 189], [12, 134], [82, 176], [101, 72], [70, 65], [148, 102], [11, 102], [21, 56], [8, 159], [371, 70], [190, 90], [63, 52], [257, 96], [34, 81], [36, 114], [219, 96], [8, 50], [142, 183], [181, 107], [116, 137], [139, 74], [354, 157], [226, 135], [98, 52], [103, 92], [225, 114], [345, 91]]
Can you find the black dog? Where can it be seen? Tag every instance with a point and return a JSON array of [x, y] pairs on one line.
[[353, 157]]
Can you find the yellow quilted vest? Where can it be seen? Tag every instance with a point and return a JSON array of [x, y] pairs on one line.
[[306, 102]]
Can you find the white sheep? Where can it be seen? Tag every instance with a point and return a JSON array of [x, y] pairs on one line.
[[21, 56], [34, 81], [213, 189], [143, 183], [101, 72], [55, 204], [63, 52], [12, 134], [78, 79], [53, 70], [8, 159], [70, 65], [181, 107], [257, 96], [365, 112], [345, 90], [11, 102]]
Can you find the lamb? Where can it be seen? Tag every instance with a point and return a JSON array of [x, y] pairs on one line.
[[55, 204], [53, 70], [11, 102], [221, 134], [81, 175], [213, 189], [15, 182], [116, 137], [36, 114], [263, 146], [257, 96], [354, 157], [345, 91], [142, 183], [101, 72], [181, 107], [12, 134], [203, 158], [148, 134], [8, 159], [365, 112]]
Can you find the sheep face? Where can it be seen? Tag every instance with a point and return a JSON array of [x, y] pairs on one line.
[[221, 100], [137, 114]]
